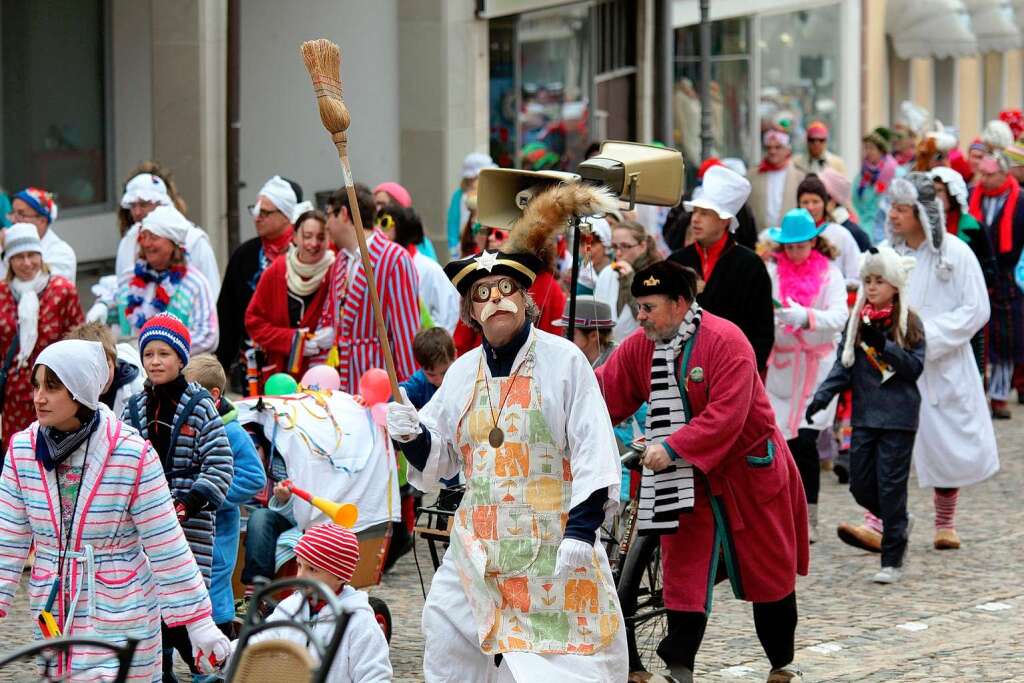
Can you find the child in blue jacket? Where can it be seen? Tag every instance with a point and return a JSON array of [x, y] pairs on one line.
[[249, 479]]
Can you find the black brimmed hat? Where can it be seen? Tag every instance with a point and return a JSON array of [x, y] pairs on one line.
[[521, 267], [665, 277]]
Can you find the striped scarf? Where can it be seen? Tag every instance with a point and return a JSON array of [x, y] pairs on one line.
[[664, 494]]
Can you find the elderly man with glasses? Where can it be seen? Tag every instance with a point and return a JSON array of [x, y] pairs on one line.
[[773, 185], [37, 207]]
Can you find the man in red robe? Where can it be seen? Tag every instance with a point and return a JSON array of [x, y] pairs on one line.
[[729, 500]]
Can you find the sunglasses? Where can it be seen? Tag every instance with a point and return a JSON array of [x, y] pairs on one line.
[[261, 213], [817, 140], [482, 292]]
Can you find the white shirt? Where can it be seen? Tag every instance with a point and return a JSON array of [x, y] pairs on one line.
[[437, 291], [774, 186], [198, 252]]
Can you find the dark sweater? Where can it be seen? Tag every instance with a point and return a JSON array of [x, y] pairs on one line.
[[739, 291], [235, 293], [585, 518], [893, 405]]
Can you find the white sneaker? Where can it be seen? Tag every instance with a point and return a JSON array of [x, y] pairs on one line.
[[888, 575]]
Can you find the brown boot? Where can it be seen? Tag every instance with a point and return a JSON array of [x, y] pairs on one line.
[[946, 539], [859, 536], [786, 674], [1000, 411]]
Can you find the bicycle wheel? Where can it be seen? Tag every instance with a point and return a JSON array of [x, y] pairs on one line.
[[639, 592]]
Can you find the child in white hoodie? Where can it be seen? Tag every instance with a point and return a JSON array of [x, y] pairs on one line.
[[329, 553]]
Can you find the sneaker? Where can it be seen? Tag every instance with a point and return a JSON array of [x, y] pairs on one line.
[[859, 536], [786, 674], [946, 539], [888, 575], [1000, 411]]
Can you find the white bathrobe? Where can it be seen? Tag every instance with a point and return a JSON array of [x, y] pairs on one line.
[[955, 444]]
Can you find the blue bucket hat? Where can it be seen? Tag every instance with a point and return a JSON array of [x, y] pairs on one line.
[[797, 226]]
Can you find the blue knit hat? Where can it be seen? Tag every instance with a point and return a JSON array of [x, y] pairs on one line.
[[170, 330], [40, 201]]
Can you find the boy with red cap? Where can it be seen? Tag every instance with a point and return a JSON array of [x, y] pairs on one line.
[[329, 553]]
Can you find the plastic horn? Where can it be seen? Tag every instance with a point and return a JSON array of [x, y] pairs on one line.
[[342, 514]]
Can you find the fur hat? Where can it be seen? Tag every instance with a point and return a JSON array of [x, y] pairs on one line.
[[918, 190], [894, 269]]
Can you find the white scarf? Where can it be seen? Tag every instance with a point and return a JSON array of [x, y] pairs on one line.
[[305, 278], [26, 293]]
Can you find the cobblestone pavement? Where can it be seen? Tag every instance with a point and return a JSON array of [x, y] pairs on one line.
[[956, 616]]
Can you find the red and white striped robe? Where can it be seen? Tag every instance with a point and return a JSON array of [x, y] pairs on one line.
[[349, 312]]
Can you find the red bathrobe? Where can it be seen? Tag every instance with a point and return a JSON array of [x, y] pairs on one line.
[[750, 512], [267, 320]]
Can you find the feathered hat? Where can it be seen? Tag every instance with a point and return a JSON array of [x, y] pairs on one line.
[[547, 202], [894, 269]]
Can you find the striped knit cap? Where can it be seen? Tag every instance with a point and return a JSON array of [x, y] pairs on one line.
[[41, 202], [168, 329], [330, 547]]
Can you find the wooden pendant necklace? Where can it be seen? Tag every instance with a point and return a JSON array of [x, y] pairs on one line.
[[496, 437]]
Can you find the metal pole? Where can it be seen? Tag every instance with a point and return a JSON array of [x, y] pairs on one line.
[[706, 140], [233, 121], [574, 277]]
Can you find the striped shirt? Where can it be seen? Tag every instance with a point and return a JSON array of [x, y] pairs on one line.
[[349, 312]]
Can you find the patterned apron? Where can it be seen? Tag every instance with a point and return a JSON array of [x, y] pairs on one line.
[[507, 530]]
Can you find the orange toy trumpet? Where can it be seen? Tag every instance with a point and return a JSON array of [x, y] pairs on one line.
[[342, 514]]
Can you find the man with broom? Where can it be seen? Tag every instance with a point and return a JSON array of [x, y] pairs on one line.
[[524, 593]]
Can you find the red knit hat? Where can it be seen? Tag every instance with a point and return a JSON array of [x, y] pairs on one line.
[[169, 329], [817, 129], [330, 547]]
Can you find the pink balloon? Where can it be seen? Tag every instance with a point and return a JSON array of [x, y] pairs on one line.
[[321, 377], [379, 413], [374, 386]]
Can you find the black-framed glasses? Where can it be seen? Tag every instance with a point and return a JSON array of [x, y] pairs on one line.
[[817, 140], [622, 246], [482, 290], [262, 213], [19, 216]]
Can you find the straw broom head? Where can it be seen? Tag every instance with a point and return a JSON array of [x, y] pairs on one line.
[[323, 62]]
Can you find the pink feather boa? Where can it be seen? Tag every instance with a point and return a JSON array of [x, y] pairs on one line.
[[801, 282]]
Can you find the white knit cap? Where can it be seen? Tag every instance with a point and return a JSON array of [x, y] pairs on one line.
[[145, 187], [19, 238], [281, 193], [476, 162], [166, 221], [602, 231], [81, 367], [300, 208], [722, 191], [894, 269], [954, 182]]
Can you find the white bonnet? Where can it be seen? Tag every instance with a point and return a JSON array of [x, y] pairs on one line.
[[81, 367]]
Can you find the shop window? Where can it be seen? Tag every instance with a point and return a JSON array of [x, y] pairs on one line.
[[53, 99], [799, 59], [730, 90]]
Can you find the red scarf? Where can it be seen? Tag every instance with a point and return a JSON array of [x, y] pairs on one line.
[[275, 246], [1009, 209], [953, 222], [765, 167], [883, 314], [709, 257], [801, 282]]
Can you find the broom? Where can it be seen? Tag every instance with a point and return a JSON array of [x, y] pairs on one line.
[[323, 62]]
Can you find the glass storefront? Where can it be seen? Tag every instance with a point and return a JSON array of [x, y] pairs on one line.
[[793, 71]]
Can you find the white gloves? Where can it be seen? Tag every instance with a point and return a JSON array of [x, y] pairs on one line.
[[208, 643], [323, 338], [403, 420], [98, 313], [793, 314], [573, 553]]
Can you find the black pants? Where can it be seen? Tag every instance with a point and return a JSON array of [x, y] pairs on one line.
[[775, 623], [176, 639], [804, 448], [261, 533], [879, 469]]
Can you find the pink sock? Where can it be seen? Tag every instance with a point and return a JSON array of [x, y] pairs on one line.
[[945, 507], [872, 522]]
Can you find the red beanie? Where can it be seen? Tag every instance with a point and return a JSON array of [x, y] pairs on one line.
[[708, 163], [396, 192], [330, 547], [817, 129]]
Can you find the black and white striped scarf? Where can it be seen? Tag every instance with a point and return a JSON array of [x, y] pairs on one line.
[[664, 494]]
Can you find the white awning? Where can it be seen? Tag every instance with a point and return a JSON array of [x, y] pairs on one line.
[[930, 28], [994, 25]]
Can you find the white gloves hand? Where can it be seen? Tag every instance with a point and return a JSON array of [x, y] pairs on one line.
[[403, 421], [573, 553], [98, 313], [793, 314], [208, 642], [323, 338]]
